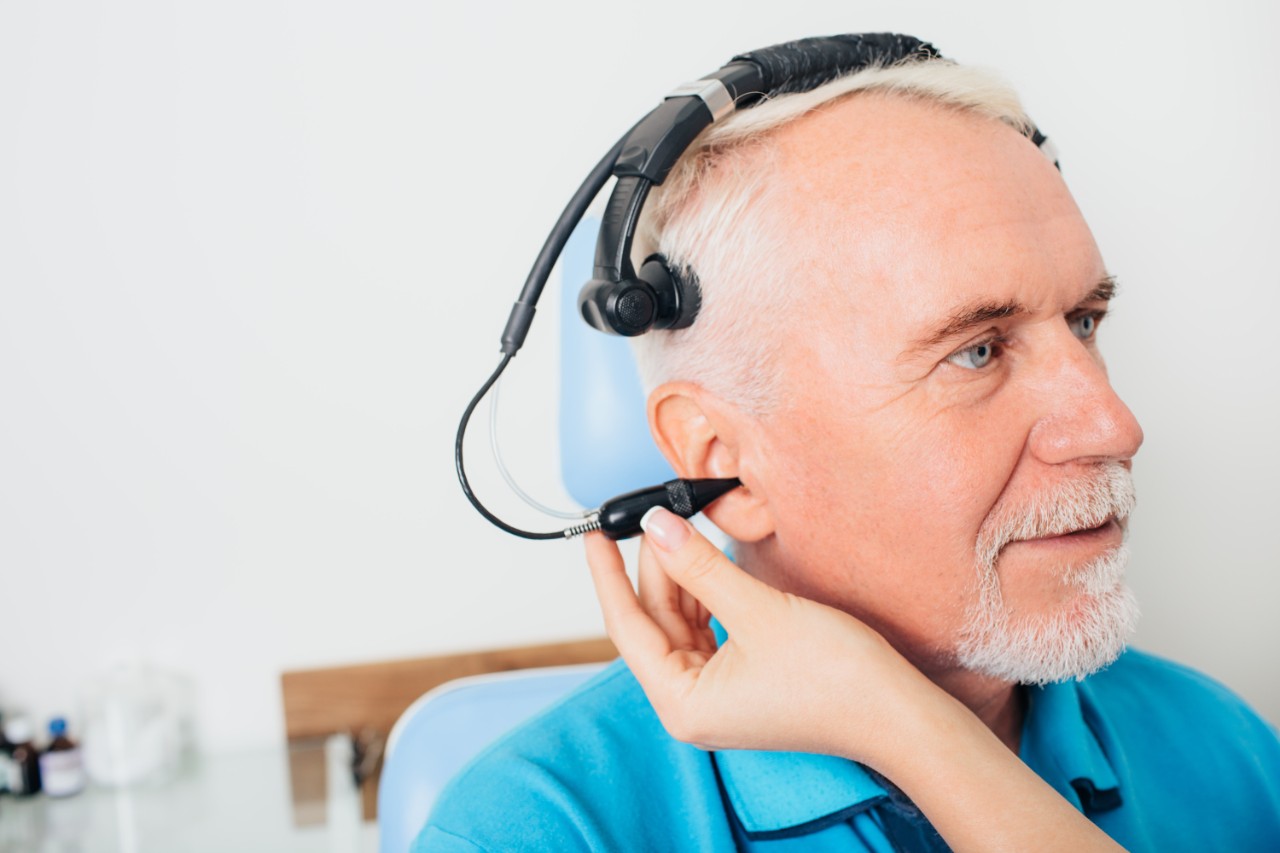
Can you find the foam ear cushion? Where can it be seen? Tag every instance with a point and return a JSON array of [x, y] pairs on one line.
[[677, 293]]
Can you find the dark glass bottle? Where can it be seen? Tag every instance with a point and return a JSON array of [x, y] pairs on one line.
[[24, 773], [6, 750]]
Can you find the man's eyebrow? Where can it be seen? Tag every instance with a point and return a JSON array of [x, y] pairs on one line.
[[961, 320], [1105, 291], [975, 314]]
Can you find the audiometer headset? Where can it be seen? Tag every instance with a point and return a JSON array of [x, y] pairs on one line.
[[619, 299]]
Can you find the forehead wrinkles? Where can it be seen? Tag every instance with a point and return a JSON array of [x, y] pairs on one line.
[[911, 204]]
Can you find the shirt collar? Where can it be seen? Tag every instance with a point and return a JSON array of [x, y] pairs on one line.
[[780, 794], [1059, 743], [784, 794]]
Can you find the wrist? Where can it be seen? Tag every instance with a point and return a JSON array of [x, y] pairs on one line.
[[917, 719], [940, 744]]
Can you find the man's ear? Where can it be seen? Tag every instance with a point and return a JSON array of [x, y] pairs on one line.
[[703, 437]]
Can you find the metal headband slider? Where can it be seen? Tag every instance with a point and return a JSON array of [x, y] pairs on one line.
[[712, 92]]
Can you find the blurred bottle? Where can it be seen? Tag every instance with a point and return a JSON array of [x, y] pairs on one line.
[[137, 724], [61, 764], [24, 770], [6, 751]]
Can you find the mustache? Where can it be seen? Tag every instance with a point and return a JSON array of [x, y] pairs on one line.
[[1066, 507]]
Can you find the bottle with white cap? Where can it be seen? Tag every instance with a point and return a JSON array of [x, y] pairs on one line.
[[61, 765], [24, 772]]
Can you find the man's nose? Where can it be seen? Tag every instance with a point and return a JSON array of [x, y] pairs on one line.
[[1084, 420]]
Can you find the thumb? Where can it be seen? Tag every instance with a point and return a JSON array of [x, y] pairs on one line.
[[730, 594]]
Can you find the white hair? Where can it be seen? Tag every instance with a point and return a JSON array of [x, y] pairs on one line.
[[711, 216]]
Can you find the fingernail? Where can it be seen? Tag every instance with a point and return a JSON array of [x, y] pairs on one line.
[[665, 529]]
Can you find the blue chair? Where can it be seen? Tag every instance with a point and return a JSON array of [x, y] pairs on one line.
[[602, 409], [445, 728]]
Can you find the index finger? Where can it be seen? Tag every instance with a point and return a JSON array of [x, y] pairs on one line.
[[734, 597], [639, 639]]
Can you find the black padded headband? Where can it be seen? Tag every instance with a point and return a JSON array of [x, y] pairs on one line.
[[646, 155], [654, 145], [799, 66]]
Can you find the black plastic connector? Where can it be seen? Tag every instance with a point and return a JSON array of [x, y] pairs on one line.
[[517, 328], [619, 518]]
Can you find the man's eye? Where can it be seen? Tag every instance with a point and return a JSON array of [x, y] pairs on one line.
[[1086, 325], [977, 356]]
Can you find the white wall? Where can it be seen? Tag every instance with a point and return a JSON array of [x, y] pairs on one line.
[[255, 256]]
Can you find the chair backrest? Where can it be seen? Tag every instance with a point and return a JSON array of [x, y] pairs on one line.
[[446, 727]]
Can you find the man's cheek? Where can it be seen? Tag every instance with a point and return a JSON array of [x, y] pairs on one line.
[[967, 459]]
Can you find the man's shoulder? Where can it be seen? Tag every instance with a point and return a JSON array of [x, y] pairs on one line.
[[1146, 699], [1146, 682], [596, 722], [572, 776], [607, 707], [1197, 767]]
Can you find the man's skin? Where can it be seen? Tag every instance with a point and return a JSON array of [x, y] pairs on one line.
[[896, 435]]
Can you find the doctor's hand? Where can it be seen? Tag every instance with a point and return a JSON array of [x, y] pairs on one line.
[[793, 674]]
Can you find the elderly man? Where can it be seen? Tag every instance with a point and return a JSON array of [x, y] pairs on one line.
[[921, 644]]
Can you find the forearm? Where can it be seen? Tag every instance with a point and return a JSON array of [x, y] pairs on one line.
[[977, 793]]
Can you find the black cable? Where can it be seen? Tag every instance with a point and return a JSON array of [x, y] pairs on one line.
[[462, 473], [618, 518], [522, 316], [569, 218]]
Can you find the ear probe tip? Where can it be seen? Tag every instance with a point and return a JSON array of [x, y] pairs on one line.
[[626, 515]]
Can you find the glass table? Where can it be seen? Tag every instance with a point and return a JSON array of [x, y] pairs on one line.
[[228, 802]]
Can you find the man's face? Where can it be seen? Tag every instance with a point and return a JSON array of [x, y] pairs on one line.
[[942, 375]]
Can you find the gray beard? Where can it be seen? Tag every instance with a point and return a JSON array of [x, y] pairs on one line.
[[1082, 637]]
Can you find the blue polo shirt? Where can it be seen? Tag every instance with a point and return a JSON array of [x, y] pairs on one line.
[[1157, 755]]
